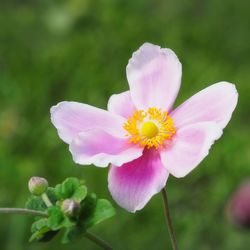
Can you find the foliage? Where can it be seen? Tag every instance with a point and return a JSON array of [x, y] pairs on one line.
[[91, 212]]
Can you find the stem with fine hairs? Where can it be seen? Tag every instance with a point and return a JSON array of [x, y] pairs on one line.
[[7, 210], [103, 244], [168, 219]]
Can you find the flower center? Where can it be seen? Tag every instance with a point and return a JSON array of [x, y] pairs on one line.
[[150, 128]]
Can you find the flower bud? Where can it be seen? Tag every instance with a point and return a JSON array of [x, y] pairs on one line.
[[238, 209], [38, 185], [70, 207]]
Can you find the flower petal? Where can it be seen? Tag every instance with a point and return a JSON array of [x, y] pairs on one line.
[[121, 104], [154, 77], [100, 148], [189, 147], [133, 184], [71, 118], [215, 104]]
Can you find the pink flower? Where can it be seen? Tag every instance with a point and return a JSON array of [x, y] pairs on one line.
[[142, 137], [238, 208]]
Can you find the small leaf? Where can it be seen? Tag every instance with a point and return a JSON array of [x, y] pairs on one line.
[[102, 211], [80, 193], [35, 203], [67, 188], [41, 231], [87, 207], [57, 219], [67, 223], [37, 225], [71, 234], [43, 235], [38, 235], [71, 188], [52, 195], [49, 236]]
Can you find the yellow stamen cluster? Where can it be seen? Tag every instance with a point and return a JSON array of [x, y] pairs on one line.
[[150, 128]]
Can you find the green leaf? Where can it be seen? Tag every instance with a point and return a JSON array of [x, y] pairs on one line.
[[41, 231], [102, 211], [35, 203], [39, 234], [71, 188], [57, 219], [52, 195], [48, 236], [71, 234], [67, 188], [37, 225], [87, 207], [80, 193]]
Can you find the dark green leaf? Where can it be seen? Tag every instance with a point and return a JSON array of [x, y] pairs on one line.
[[102, 211], [87, 207], [71, 234], [48, 236], [52, 194]]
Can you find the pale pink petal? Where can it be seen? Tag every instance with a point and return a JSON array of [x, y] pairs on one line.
[[154, 77], [100, 148], [189, 147], [71, 118], [133, 184], [121, 104], [215, 103]]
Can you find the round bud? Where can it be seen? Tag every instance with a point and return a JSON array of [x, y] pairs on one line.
[[38, 185], [70, 207]]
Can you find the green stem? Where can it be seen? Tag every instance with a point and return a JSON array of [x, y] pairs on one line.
[[103, 244], [46, 200], [7, 210], [168, 219]]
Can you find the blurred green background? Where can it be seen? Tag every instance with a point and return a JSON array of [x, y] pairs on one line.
[[78, 50]]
